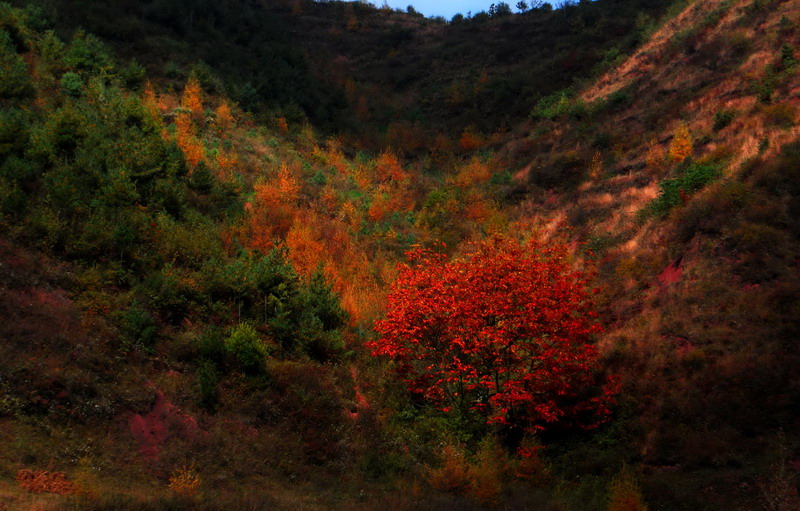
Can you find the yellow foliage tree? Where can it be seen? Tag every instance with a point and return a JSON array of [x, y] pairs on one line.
[[453, 474], [624, 493], [488, 472], [185, 482], [681, 146]]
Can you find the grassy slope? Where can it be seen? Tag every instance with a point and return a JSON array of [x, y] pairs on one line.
[[701, 294]]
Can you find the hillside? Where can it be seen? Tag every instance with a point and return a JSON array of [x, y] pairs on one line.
[[193, 257], [387, 78]]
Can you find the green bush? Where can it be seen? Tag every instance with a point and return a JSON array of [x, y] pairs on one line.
[[14, 133], [72, 84], [553, 106], [764, 88], [723, 118], [16, 82], [86, 52], [689, 180], [211, 345], [246, 345], [166, 293], [190, 242], [138, 326], [133, 75], [739, 43], [13, 200], [320, 300], [787, 60]]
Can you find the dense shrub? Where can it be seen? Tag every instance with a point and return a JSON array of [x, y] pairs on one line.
[[16, 83], [246, 345], [71, 84], [723, 118], [207, 378], [138, 326], [676, 191]]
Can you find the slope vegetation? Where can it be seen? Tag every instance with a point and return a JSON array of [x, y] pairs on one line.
[[193, 257]]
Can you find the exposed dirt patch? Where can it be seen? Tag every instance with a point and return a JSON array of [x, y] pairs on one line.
[[672, 273], [162, 422], [362, 404]]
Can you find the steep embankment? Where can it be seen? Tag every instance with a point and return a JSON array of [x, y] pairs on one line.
[[679, 169]]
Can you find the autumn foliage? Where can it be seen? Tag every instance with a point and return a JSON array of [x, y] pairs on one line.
[[185, 482], [681, 146], [224, 116], [191, 146], [504, 331], [191, 99], [40, 481]]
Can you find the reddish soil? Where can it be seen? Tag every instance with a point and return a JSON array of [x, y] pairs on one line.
[[163, 421], [361, 401], [672, 273]]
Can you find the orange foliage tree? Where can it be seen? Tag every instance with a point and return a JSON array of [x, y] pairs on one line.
[[185, 134], [470, 140], [150, 100], [272, 212], [191, 97], [223, 116], [388, 168], [305, 250], [474, 172], [378, 209], [227, 161], [185, 482], [406, 137], [282, 124], [504, 332]]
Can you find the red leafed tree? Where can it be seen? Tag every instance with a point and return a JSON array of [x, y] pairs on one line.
[[504, 331]]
